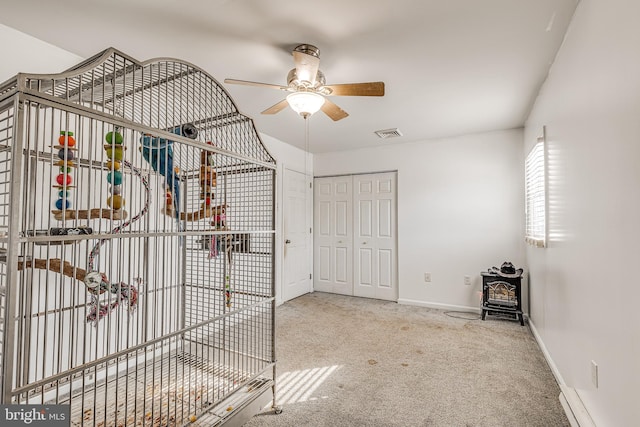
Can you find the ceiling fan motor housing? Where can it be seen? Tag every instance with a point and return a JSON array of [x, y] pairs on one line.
[[308, 49], [294, 83]]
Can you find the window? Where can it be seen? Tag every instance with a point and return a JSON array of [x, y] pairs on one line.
[[535, 193]]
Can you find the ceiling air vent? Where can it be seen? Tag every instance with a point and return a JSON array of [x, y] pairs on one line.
[[388, 133]]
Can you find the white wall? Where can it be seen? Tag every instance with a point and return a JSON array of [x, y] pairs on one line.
[[584, 291], [22, 53], [460, 210], [289, 157]]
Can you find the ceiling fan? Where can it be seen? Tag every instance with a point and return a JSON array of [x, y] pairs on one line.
[[308, 87]]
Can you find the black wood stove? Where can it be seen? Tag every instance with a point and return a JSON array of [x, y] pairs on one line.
[[501, 291]]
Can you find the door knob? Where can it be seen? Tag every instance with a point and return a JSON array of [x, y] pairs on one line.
[[364, 243], [287, 241]]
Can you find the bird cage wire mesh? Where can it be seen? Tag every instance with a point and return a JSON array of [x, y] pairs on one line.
[[136, 245]]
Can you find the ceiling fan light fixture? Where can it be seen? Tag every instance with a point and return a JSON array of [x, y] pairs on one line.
[[305, 103]]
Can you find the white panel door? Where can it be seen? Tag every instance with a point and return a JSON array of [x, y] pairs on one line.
[[374, 220], [333, 239], [297, 236]]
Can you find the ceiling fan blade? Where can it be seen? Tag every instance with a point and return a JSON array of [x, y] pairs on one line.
[[334, 112], [357, 89], [276, 108], [248, 83], [306, 66]]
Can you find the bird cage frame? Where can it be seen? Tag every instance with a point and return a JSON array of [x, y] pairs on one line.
[[137, 245]]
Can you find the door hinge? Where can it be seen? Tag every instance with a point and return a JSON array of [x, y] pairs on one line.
[[310, 230], [309, 275], [310, 185]]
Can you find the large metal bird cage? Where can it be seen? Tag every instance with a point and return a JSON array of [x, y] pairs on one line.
[[136, 246]]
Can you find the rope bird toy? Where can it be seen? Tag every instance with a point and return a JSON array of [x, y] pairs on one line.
[[98, 283]]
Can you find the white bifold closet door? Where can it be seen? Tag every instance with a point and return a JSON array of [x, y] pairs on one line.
[[374, 240], [333, 239], [355, 235]]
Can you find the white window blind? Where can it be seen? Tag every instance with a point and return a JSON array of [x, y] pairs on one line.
[[535, 192]]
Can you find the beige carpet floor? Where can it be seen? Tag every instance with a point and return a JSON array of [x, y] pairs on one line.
[[346, 361]]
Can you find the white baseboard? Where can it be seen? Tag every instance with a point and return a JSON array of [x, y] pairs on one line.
[[439, 306], [546, 354], [575, 410]]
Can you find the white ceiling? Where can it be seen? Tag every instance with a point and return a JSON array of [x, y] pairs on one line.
[[451, 67]]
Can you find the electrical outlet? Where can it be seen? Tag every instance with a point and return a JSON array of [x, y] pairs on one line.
[[594, 373], [427, 277], [467, 280]]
